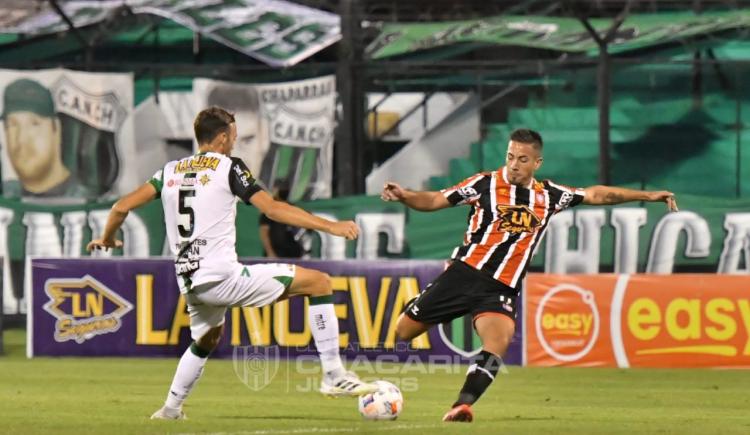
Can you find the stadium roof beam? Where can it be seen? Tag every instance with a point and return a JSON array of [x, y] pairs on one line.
[[352, 150], [604, 88], [71, 27]]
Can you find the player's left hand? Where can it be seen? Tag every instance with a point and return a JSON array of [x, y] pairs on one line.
[[103, 244], [664, 196]]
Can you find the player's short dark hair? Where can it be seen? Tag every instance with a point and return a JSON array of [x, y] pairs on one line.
[[211, 122], [524, 135]]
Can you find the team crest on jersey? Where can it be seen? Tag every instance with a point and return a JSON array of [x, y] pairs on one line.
[[205, 179], [467, 192], [84, 308], [565, 199], [517, 219]]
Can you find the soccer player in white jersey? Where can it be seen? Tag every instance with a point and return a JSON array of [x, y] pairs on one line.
[[199, 195]]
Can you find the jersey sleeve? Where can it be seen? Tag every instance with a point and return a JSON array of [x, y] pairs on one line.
[[468, 191], [241, 181], [564, 197], [157, 180]]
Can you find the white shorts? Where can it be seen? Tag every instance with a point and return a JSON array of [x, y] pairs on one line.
[[250, 286]]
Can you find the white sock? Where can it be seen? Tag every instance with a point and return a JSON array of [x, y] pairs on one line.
[[189, 370], [325, 331]]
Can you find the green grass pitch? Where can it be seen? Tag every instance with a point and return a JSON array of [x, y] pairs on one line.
[[117, 395]]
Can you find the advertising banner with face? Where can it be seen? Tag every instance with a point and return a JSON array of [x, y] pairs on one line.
[[284, 130], [66, 134]]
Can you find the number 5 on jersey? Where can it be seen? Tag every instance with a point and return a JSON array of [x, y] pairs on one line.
[[186, 219]]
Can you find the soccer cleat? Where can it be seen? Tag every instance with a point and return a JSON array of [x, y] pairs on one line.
[[460, 413], [165, 413], [347, 385]]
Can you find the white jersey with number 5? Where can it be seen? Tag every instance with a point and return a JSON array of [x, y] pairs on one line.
[[199, 195]]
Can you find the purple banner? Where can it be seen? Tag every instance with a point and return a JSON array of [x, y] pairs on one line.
[[107, 307]]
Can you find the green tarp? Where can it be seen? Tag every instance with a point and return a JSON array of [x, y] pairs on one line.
[[553, 33]]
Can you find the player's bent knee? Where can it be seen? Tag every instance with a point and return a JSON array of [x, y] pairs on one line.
[[320, 284], [311, 282], [325, 286], [497, 343], [210, 341]]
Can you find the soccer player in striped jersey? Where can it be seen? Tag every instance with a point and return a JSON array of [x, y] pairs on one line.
[[199, 195], [510, 211]]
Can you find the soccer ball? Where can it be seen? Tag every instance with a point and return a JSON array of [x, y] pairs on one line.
[[384, 404]]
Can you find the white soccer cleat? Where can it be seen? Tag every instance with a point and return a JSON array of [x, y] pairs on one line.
[[347, 385], [165, 413]]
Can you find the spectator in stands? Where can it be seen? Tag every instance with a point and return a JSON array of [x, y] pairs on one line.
[[279, 239]]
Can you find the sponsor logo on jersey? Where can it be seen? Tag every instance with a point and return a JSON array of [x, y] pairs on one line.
[[197, 164], [181, 182], [184, 266], [517, 219], [244, 174], [506, 302], [196, 242], [84, 308]]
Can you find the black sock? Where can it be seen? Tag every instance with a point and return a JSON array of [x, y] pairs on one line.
[[480, 376]]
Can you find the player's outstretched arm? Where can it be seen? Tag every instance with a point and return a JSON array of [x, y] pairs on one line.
[[117, 215], [283, 212], [607, 195], [422, 201]]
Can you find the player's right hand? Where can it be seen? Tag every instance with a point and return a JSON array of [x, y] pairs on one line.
[[392, 192], [664, 196], [103, 244], [347, 229]]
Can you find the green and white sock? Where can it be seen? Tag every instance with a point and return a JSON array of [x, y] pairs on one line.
[[189, 370], [325, 331]]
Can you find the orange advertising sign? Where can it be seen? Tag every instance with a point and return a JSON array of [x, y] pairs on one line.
[[684, 320]]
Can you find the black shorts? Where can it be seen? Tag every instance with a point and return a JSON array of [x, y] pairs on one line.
[[462, 290]]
